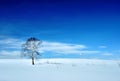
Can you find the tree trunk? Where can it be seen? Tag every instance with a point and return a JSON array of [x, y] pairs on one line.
[[33, 59]]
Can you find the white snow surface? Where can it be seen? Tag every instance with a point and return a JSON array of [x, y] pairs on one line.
[[59, 70]]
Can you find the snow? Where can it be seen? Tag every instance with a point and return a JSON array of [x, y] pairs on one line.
[[59, 70]]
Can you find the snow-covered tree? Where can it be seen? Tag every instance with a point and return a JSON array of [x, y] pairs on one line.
[[30, 48]]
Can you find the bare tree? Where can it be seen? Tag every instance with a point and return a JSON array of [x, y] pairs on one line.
[[30, 48]]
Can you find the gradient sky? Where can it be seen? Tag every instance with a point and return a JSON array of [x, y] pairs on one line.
[[92, 23]]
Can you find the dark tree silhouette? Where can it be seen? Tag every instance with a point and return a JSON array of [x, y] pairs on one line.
[[30, 48]]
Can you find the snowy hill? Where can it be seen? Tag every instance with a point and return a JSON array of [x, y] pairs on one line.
[[59, 70]]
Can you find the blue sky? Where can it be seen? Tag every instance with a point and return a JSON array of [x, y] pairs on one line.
[[68, 24]]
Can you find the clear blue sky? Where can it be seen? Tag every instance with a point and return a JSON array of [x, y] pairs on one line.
[[93, 23]]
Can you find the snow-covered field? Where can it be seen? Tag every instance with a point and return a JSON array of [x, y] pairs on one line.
[[59, 70]]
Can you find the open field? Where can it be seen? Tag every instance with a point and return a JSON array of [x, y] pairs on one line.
[[59, 70]]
